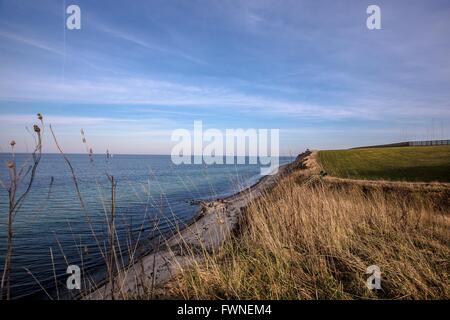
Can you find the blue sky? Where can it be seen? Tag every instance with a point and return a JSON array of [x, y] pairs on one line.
[[139, 69]]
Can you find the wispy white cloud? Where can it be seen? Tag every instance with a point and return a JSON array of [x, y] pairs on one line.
[[143, 91], [145, 43], [244, 61], [137, 91], [30, 42]]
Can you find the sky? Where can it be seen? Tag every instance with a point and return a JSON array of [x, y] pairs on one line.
[[137, 70]]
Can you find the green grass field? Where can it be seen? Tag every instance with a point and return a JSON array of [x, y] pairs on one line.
[[400, 163]]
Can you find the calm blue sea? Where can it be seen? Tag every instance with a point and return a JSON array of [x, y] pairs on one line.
[[152, 196]]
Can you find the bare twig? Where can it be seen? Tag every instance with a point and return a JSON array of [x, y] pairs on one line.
[[14, 202]]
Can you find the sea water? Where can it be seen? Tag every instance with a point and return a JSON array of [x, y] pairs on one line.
[[54, 229]]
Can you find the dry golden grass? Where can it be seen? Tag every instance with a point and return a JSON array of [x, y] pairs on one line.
[[316, 241]]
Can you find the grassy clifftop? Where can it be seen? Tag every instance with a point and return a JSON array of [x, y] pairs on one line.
[[400, 163], [315, 242], [313, 238]]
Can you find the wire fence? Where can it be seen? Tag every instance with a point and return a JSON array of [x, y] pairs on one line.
[[429, 143]]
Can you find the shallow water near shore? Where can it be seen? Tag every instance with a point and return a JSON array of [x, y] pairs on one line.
[[153, 196]]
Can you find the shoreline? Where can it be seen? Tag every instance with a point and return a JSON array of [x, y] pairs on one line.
[[214, 222]]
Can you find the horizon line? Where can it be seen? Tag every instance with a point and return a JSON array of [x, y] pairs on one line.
[[134, 154]]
